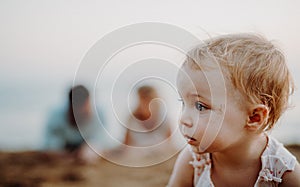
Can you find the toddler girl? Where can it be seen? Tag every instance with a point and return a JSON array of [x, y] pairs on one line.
[[234, 88]]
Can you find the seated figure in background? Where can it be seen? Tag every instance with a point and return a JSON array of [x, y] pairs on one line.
[[148, 125], [66, 125]]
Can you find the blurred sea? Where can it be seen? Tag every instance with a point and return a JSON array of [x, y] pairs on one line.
[[24, 110]]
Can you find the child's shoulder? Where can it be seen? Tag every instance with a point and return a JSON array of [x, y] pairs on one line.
[[183, 172], [291, 178]]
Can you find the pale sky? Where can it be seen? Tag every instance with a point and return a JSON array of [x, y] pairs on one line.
[[40, 36], [43, 42]]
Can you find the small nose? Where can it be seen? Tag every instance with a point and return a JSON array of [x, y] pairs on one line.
[[185, 119]]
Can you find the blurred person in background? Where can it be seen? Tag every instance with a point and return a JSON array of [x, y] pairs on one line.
[[66, 125], [148, 124]]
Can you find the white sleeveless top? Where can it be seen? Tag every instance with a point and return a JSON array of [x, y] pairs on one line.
[[275, 161]]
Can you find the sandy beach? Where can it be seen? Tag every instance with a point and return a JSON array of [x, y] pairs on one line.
[[35, 169], [40, 169]]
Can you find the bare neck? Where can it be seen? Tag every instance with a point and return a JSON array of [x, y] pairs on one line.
[[241, 156], [241, 163]]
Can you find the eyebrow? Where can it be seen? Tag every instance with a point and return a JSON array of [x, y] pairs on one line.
[[199, 96], [196, 95]]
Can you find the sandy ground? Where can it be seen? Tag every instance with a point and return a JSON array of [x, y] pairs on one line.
[[34, 169]]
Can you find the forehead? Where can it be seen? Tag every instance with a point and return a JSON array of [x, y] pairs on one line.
[[206, 83]]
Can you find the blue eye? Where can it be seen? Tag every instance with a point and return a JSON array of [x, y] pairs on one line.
[[199, 106]]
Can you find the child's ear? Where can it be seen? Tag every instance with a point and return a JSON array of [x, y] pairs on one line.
[[258, 116]]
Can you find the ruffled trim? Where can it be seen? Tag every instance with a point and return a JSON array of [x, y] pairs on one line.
[[276, 160], [201, 164], [199, 161], [268, 176]]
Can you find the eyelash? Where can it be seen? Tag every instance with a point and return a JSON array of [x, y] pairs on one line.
[[199, 106]]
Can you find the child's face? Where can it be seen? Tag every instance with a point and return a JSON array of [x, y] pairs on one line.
[[212, 119]]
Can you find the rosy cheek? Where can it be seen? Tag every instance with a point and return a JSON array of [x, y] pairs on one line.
[[200, 127]]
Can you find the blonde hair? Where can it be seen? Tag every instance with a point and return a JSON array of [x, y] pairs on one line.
[[255, 67]]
